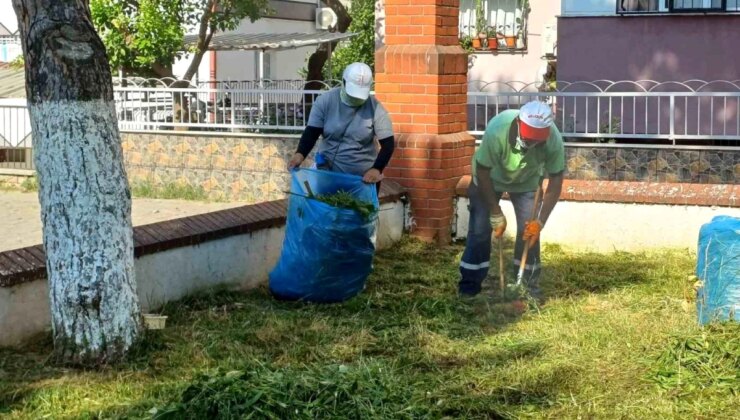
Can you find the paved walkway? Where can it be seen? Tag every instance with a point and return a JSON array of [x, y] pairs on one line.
[[20, 222]]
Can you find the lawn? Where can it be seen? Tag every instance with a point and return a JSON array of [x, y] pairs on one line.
[[616, 338]]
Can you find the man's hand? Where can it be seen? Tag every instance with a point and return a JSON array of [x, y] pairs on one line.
[[373, 176], [498, 224], [295, 161], [532, 231]]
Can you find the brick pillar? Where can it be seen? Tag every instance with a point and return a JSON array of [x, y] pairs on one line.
[[421, 78]]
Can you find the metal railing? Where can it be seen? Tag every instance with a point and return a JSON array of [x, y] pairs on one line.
[[245, 106], [646, 112], [16, 144], [695, 113]]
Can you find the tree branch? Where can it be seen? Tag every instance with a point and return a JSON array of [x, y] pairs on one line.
[[204, 39]]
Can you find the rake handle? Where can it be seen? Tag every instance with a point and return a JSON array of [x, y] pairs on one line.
[[528, 244], [501, 280]]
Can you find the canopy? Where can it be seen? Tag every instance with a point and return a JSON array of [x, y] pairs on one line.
[[246, 42]]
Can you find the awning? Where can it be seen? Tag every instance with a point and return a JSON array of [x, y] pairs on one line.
[[245, 42]]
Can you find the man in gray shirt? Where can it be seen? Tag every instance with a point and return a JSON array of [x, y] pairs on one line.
[[350, 121]]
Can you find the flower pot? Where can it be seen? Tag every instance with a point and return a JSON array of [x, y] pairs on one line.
[[511, 42], [476, 43], [154, 321], [493, 43]]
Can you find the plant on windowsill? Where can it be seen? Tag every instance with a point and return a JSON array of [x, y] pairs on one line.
[[466, 43], [519, 43], [520, 24], [510, 37], [480, 25], [492, 38]]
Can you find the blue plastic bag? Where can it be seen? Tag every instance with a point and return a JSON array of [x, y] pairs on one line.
[[718, 269], [327, 252]]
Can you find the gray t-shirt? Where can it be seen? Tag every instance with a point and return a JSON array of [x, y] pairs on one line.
[[355, 151]]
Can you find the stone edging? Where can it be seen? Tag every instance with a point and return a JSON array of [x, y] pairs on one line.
[[27, 264], [721, 195]]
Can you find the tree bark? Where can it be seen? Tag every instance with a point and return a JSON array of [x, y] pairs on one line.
[[316, 61], [83, 189]]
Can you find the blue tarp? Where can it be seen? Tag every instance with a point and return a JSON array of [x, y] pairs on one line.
[[718, 268], [327, 252]]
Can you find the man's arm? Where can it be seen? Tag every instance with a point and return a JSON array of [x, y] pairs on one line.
[[552, 196], [485, 186]]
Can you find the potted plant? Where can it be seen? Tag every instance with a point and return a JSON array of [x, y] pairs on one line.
[[521, 24], [510, 37], [492, 38], [519, 43], [466, 42], [480, 25]]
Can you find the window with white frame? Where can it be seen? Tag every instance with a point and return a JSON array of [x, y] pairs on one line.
[[505, 18]]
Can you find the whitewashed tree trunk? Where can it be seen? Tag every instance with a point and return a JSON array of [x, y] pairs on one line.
[[83, 189]]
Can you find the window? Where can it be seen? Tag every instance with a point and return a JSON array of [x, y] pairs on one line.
[[676, 6], [502, 19], [641, 6]]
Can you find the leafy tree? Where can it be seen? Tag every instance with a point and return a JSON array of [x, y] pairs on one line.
[[361, 47], [146, 36]]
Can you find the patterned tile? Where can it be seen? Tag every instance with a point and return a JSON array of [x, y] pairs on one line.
[[253, 169]]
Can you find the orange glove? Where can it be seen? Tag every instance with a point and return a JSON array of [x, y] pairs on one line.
[[532, 231], [498, 224]]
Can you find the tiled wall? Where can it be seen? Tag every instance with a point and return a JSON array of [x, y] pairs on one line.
[[653, 165], [250, 169]]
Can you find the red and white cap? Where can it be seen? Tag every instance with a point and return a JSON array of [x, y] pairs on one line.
[[535, 120], [358, 79]]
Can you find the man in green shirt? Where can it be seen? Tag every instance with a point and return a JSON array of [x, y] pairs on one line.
[[519, 149]]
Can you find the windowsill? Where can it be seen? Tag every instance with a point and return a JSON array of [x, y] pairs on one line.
[[504, 51]]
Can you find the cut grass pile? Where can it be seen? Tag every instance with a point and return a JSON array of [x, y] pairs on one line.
[[345, 200], [617, 338]]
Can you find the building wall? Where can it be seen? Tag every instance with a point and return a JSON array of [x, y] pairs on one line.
[[661, 48], [524, 66], [528, 66], [279, 65]]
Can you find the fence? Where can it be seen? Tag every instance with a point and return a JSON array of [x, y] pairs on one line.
[[694, 113], [16, 145], [646, 112], [246, 106]]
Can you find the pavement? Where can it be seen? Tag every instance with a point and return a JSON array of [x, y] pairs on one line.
[[20, 220]]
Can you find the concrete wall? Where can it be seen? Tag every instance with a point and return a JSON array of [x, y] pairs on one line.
[[240, 262], [601, 226], [661, 48]]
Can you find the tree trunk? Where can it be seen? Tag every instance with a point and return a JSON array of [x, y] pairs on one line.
[[205, 33], [83, 190], [315, 74]]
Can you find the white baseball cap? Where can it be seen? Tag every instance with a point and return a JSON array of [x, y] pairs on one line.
[[358, 80], [535, 120]]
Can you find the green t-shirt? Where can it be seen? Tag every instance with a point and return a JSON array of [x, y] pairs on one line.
[[513, 170]]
